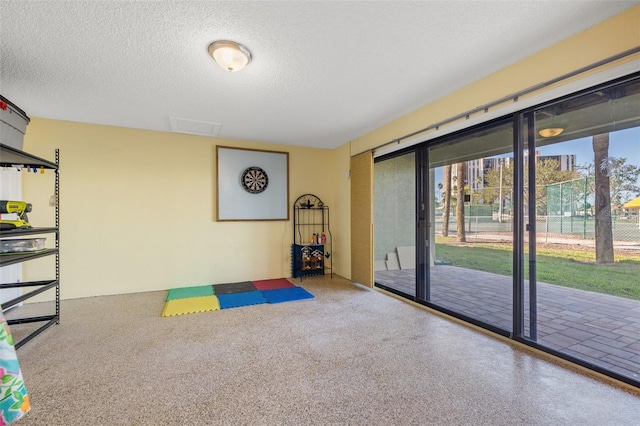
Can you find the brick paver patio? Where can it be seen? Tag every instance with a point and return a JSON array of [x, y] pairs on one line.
[[600, 329]]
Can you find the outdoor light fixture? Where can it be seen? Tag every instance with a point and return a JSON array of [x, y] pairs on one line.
[[550, 132], [230, 55]]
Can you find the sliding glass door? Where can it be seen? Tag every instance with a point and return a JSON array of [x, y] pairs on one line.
[[471, 255], [584, 264], [528, 226]]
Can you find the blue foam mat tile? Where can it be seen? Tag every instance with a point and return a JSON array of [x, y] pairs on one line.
[[286, 294], [235, 300]]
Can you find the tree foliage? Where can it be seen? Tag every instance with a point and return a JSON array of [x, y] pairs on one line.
[[547, 172], [623, 179]]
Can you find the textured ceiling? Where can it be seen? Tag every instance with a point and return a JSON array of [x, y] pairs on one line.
[[322, 74]]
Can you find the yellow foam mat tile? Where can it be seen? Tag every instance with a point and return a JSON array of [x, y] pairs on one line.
[[190, 305]]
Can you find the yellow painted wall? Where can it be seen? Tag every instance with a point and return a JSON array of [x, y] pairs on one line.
[[611, 37], [341, 213], [138, 210]]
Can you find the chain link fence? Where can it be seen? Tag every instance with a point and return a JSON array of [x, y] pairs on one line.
[[566, 208], [625, 228]]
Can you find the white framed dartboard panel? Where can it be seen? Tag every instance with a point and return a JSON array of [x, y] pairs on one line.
[[251, 184]]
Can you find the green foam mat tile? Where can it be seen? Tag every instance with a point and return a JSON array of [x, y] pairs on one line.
[[187, 292]]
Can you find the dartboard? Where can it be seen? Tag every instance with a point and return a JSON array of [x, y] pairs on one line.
[[254, 180]]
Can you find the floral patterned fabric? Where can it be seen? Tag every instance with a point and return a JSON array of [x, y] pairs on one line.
[[14, 401]]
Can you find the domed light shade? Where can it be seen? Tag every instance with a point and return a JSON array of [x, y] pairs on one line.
[[550, 132], [230, 55], [551, 122]]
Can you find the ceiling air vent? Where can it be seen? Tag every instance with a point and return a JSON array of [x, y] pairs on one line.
[[194, 127]]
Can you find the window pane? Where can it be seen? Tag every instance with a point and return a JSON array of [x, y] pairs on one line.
[[471, 267], [394, 223], [587, 229]]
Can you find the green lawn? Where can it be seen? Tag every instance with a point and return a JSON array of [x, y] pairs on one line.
[[567, 268]]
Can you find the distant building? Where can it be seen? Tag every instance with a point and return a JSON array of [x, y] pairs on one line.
[[478, 168]]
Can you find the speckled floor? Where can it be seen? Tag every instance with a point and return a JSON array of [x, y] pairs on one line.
[[349, 356]]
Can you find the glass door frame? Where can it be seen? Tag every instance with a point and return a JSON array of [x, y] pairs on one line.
[[424, 225], [523, 139], [524, 127], [390, 156], [530, 227]]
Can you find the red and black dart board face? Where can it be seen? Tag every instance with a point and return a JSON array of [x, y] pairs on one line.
[[254, 180]]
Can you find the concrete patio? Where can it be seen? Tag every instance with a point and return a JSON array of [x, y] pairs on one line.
[[600, 329]]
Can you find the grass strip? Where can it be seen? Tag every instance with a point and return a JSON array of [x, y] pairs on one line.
[[567, 268]]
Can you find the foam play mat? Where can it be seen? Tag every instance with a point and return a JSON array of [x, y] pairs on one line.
[[189, 300]]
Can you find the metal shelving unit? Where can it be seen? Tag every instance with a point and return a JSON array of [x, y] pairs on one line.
[[308, 256], [11, 157]]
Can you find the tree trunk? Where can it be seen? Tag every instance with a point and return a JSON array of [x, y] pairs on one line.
[[460, 237], [446, 209], [604, 231]]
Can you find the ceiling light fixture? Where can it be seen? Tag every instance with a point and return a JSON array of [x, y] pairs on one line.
[[551, 122], [231, 56], [550, 132]]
